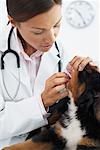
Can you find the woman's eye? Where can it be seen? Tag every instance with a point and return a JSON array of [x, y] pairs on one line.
[[57, 26], [37, 32]]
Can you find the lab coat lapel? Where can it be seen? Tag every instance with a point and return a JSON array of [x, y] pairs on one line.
[[48, 66]]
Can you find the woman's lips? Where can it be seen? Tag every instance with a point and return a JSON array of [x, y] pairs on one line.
[[47, 46]]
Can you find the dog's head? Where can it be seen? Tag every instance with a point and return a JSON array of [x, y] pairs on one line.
[[85, 88]]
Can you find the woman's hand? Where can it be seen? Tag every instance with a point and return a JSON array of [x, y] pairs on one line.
[[55, 89], [78, 63]]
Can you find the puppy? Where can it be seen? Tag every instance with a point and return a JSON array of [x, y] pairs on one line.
[[78, 125]]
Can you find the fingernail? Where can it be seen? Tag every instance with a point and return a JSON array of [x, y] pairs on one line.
[[69, 67], [62, 90], [92, 64], [68, 74], [69, 70], [80, 68]]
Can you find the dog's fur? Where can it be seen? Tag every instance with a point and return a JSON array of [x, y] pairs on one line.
[[78, 125]]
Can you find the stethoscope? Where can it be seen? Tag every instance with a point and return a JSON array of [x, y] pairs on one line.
[[9, 50]]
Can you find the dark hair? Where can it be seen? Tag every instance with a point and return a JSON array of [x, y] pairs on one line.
[[22, 10]]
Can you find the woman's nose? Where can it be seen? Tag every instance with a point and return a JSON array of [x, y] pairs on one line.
[[50, 36]]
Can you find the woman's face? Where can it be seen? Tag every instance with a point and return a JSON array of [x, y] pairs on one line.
[[40, 31]]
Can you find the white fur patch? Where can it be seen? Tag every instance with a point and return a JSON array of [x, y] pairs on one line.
[[73, 133]]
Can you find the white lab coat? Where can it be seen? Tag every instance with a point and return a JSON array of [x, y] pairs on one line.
[[26, 112]]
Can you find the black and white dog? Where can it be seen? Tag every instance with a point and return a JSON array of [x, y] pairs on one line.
[[75, 119]]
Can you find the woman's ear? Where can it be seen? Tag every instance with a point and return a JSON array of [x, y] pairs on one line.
[[12, 21]]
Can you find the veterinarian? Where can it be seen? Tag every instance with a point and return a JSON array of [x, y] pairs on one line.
[[31, 78]]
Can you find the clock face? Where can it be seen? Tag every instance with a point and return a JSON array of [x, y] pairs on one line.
[[79, 14]]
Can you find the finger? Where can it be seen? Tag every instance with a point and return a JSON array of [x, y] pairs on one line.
[[83, 63], [57, 75], [54, 96], [59, 88], [74, 60], [55, 82], [59, 95], [56, 90], [76, 63], [94, 66], [68, 70]]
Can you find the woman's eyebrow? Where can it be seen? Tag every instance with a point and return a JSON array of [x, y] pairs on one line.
[[44, 28]]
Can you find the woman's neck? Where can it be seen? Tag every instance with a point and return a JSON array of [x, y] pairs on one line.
[[29, 50]]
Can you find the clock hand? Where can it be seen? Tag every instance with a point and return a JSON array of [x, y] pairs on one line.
[[79, 15]]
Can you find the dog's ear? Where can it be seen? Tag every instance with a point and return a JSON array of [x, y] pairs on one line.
[[91, 77]]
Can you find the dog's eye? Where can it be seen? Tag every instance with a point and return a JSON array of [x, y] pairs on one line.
[[96, 96]]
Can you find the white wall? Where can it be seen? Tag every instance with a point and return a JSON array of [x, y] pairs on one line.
[[3, 13], [84, 41]]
